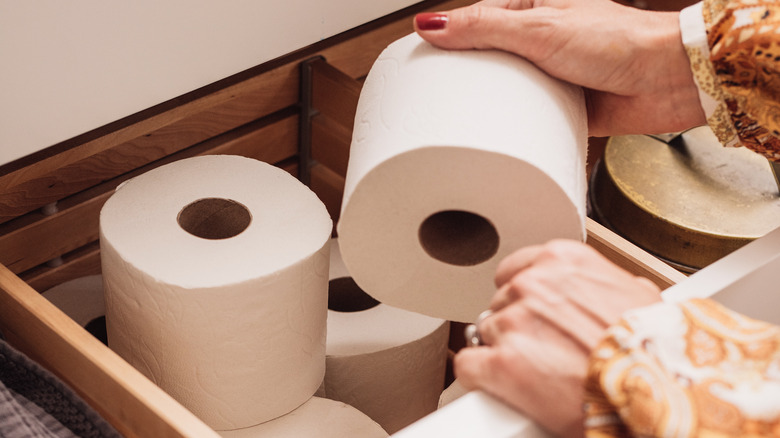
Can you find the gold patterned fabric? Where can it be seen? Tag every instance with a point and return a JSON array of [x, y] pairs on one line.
[[691, 369], [743, 72], [695, 368]]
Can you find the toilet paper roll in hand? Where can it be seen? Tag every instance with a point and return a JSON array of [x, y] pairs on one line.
[[387, 362], [215, 275], [457, 159]]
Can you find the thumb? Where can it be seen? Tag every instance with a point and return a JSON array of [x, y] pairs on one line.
[[477, 27]]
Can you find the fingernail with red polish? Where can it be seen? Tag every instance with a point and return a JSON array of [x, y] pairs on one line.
[[431, 21]]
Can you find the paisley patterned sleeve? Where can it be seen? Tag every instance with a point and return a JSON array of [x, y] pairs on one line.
[[690, 369], [734, 48]]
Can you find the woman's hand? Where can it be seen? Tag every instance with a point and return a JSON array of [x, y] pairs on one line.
[[631, 62], [553, 305]]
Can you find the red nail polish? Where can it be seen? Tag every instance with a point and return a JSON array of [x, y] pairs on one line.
[[431, 21]]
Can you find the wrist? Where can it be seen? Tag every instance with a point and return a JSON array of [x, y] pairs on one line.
[[676, 87]]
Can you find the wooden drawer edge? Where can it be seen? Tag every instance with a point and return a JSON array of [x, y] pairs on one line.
[[630, 257]]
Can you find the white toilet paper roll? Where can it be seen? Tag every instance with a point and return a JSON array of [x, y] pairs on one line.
[[215, 273], [82, 300], [387, 362], [458, 158], [317, 418], [452, 393]]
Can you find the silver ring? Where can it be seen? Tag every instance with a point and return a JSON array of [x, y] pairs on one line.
[[473, 337]]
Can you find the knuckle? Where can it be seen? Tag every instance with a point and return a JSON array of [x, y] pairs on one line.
[[524, 279], [472, 16], [567, 250], [560, 247], [495, 362], [514, 291], [501, 321], [475, 26]]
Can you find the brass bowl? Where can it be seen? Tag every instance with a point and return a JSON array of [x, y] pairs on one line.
[[687, 200]]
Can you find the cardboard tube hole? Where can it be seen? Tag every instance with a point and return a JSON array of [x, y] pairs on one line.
[[344, 295], [214, 218], [97, 327], [458, 237]]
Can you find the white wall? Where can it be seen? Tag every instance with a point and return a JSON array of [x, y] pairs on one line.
[[67, 67]]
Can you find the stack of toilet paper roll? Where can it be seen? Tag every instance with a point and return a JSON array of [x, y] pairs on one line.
[[387, 362], [458, 158], [82, 300], [215, 273], [216, 269], [381, 362]]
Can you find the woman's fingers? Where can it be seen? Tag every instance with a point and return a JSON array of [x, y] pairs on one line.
[[492, 26], [541, 374], [572, 271], [516, 262], [631, 62], [553, 305], [555, 311]]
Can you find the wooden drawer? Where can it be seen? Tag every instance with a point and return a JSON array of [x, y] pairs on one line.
[[49, 202], [127, 399]]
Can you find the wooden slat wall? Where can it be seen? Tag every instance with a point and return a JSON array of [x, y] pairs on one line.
[[255, 116], [335, 96]]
